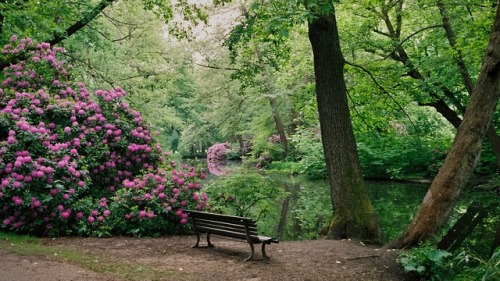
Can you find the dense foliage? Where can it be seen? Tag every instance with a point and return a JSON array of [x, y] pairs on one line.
[[429, 263], [75, 162]]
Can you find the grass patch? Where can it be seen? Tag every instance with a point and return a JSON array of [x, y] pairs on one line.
[[105, 265]]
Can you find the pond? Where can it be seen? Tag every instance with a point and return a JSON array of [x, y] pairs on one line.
[[297, 208], [306, 207]]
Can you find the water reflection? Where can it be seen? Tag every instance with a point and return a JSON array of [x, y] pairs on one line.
[[307, 207]]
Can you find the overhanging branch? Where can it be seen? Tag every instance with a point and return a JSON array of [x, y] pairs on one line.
[[385, 92], [81, 23], [216, 67]]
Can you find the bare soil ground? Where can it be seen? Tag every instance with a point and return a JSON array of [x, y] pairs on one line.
[[173, 255]]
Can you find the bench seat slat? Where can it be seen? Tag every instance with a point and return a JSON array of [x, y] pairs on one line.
[[231, 228], [239, 224], [219, 217], [255, 238]]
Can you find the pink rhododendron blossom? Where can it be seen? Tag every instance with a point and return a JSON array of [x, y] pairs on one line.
[[142, 214], [65, 215]]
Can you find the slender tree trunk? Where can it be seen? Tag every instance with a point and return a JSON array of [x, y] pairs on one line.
[[272, 101], [440, 200], [464, 73], [464, 226], [353, 214], [279, 124], [451, 115]]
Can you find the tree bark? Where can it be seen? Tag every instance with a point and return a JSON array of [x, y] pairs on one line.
[[440, 200], [353, 214]]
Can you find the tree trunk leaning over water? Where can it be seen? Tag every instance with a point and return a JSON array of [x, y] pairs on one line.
[[353, 214], [440, 200]]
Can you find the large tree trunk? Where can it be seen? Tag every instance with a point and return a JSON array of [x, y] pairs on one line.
[[438, 204], [353, 214]]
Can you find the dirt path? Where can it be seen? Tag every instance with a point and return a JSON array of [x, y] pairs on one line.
[[174, 258]]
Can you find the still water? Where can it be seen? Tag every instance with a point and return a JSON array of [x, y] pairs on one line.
[[307, 206]]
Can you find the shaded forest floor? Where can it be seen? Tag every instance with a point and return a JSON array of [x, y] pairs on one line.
[[172, 258]]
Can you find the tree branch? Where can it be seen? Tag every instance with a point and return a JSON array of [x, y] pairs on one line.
[[89, 66], [409, 37], [82, 22], [57, 38], [216, 67], [385, 92]]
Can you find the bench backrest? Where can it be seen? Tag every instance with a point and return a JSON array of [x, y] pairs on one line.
[[231, 226]]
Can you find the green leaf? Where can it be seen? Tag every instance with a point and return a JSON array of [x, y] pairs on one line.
[[438, 255]]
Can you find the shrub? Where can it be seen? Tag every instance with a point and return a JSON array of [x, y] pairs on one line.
[[310, 151], [245, 194], [70, 159], [426, 262], [468, 266]]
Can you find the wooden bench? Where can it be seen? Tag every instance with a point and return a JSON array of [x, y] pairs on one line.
[[229, 226]]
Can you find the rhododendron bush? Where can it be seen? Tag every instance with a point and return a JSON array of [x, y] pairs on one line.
[[217, 158], [75, 162]]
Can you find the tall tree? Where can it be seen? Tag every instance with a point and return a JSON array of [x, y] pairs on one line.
[[353, 214], [462, 158]]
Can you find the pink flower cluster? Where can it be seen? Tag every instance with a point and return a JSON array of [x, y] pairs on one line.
[[216, 158], [150, 191], [276, 139], [62, 149]]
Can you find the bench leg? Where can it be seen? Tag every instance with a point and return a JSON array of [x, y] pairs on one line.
[[210, 245], [208, 241], [197, 240], [251, 255], [264, 256]]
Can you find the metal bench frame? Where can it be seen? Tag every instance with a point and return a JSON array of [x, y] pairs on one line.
[[229, 226]]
